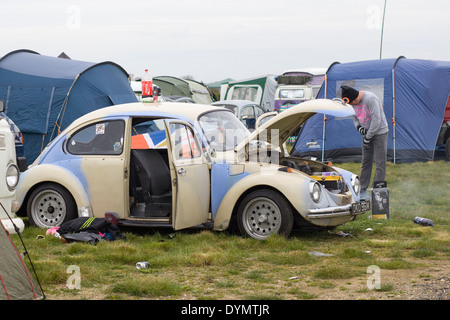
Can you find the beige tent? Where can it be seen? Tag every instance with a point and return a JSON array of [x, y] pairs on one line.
[[16, 281]]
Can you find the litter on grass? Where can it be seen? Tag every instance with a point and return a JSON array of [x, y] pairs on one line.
[[320, 254]]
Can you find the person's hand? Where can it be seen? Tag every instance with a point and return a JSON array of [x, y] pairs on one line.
[[366, 143], [362, 130]]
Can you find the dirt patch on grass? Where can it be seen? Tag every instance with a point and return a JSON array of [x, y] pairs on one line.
[[430, 282], [421, 283]]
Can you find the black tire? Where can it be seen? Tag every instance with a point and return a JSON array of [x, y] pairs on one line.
[[50, 205], [263, 213]]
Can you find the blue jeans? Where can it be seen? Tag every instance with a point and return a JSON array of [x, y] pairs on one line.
[[376, 151]]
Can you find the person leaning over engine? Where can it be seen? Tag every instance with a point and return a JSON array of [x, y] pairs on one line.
[[370, 121]]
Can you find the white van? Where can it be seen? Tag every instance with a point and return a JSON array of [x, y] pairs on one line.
[[10, 173], [297, 86]]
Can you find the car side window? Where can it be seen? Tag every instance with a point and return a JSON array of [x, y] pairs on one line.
[[148, 134], [101, 138], [184, 144], [234, 109], [259, 111], [248, 112]]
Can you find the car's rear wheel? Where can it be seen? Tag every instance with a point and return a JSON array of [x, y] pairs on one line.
[[49, 205], [263, 213]]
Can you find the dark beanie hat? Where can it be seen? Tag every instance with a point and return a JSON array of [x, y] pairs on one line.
[[349, 93]]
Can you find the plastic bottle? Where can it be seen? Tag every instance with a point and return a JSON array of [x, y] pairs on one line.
[[147, 85], [423, 221]]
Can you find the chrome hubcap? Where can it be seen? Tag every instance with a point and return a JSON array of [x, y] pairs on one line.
[[261, 218], [48, 209]]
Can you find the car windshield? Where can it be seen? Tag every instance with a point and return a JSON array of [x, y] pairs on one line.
[[222, 130], [292, 93]]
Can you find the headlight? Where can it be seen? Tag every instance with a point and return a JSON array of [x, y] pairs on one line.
[[356, 184], [12, 176], [314, 191]]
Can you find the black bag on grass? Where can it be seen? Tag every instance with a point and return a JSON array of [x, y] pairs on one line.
[[93, 225]]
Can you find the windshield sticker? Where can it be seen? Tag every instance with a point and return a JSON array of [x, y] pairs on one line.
[[117, 146], [100, 128]]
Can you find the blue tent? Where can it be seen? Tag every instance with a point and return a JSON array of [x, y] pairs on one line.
[[43, 94], [414, 94]]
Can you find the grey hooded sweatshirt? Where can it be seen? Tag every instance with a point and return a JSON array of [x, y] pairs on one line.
[[370, 115]]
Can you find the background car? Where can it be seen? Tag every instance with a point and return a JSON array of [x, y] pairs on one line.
[[165, 165], [264, 118], [245, 110]]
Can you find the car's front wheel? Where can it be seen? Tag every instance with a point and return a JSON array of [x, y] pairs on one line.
[[263, 213], [49, 205]]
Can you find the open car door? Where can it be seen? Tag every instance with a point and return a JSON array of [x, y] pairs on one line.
[[190, 176]]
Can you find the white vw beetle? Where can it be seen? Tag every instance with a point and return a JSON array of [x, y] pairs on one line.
[[178, 165]]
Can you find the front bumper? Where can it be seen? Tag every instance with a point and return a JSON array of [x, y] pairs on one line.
[[352, 209], [12, 225]]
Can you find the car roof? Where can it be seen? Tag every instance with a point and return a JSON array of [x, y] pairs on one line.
[[13, 127], [164, 109]]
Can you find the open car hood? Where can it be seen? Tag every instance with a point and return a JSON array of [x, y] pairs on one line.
[[291, 119]]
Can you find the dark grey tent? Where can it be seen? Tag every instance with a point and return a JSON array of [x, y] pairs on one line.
[[16, 281]]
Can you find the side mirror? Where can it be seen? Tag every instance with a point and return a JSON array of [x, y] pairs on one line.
[[2, 106]]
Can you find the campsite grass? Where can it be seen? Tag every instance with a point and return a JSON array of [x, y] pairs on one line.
[[222, 265]]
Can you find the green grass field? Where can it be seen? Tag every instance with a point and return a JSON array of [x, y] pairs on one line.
[[212, 265]]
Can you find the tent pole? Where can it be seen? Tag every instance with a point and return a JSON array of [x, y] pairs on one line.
[[394, 121], [324, 120], [63, 109], [323, 136], [393, 110]]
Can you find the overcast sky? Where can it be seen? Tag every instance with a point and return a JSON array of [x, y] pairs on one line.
[[216, 39]]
